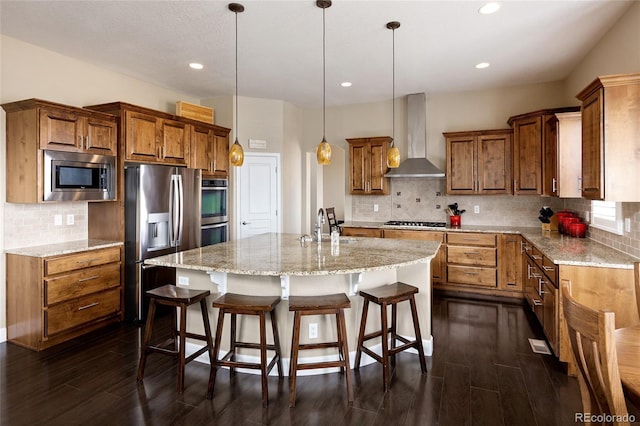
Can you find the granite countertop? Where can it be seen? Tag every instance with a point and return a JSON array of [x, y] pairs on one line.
[[68, 247], [561, 249], [284, 254]]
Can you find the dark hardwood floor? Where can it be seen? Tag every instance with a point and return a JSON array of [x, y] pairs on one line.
[[482, 372]]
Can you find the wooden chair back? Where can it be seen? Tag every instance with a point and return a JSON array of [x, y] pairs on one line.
[[591, 333], [331, 218], [636, 277]]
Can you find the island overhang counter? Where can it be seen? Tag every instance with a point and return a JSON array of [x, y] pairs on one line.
[[277, 263]]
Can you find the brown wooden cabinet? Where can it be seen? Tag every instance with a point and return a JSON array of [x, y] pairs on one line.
[[34, 125], [479, 162], [438, 262], [530, 143], [610, 142], [354, 231], [53, 299], [368, 165], [472, 259], [562, 160], [510, 262], [152, 139], [210, 150]]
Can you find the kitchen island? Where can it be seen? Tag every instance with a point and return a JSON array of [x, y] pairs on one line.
[[282, 264]]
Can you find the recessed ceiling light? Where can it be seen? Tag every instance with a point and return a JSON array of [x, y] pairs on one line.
[[196, 66], [489, 8], [345, 84], [482, 65]]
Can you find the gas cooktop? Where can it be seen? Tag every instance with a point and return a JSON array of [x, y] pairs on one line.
[[416, 223]]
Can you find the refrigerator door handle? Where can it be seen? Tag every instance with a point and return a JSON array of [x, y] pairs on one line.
[[174, 208], [180, 211]]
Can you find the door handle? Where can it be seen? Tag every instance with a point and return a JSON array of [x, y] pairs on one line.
[[246, 223]]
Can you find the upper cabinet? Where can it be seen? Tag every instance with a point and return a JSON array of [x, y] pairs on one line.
[[210, 150], [368, 165], [611, 138], [34, 125], [529, 145], [479, 162], [562, 165]]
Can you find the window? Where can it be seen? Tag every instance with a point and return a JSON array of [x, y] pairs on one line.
[[607, 215]]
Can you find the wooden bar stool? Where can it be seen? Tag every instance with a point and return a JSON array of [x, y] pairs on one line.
[[235, 304], [385, 295], [176, 297], [319, 305]]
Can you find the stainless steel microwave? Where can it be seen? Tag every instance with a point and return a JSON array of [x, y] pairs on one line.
[[74, 176]]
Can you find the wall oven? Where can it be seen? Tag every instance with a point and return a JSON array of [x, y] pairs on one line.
[[214, 218]]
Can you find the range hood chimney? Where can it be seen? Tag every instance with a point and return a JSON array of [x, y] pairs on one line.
[[416, 165]]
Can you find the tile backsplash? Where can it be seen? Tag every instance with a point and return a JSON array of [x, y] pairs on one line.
[[426, 200], [34, 224]]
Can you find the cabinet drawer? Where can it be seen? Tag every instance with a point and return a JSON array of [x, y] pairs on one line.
[[402, 234], [485, 277], [473, 256], [471, 239], [549, 269], [81, 283], [65, 316], [537, 256], [81, 260], [362, 232]]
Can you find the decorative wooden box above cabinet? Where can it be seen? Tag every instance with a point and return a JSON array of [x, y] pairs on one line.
[[562, 165], [210, 150], [611, 138], [52, 299], [368, 165], [528, 147], [34, 125], [479, 162]]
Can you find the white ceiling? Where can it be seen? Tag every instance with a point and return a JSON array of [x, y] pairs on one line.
[[280, 43]]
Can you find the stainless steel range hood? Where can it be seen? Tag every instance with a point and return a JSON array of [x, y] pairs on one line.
[[416, 165]]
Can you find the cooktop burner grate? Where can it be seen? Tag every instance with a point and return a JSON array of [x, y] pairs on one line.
[[416, 223]]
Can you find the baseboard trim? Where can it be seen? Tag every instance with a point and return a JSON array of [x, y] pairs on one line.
[[3, 335], [365, 360]]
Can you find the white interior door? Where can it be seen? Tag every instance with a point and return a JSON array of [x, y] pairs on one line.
[[259, 197]]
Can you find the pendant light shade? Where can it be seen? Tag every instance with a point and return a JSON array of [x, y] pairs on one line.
[[393, 153], [236, 153], [323, 153]]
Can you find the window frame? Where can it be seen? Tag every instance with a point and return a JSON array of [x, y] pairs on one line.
[[613, 223]]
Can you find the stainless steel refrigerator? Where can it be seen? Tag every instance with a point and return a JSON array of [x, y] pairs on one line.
[[162, 216]]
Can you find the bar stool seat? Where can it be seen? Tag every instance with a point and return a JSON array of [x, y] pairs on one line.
[[176, 297], [384, 296], [238, 304], [319, 305]]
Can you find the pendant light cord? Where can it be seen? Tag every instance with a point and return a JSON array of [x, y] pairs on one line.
[[393, 85], [324, 79], [236, 76]]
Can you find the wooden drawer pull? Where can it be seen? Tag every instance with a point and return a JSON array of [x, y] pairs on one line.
[[469, 253], [90, 305], [89, 278]]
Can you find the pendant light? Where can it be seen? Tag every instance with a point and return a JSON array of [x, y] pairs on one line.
[[236, 153], [393, 154], [323, 153]]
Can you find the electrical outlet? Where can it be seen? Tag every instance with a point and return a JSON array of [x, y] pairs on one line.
[[183, 280], [476, 209], [313, 330], [417, 200], [70, 219], [375, 207], [627, 224], [57, 220]]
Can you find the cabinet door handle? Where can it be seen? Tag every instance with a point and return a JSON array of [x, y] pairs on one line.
[[90, 305], [553, 185], [88, 278]]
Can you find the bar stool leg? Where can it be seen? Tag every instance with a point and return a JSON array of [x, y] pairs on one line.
[[385, 346], [216, 349], [232, 341], [174, 330], [147, 339], [207, 328], [393, 330], [276, 341], [181, 348], [263, 360], [294, 359], [363, 326], [344, 349], [416, 326]]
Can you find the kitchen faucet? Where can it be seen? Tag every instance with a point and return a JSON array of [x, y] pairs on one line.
[[317, 233]]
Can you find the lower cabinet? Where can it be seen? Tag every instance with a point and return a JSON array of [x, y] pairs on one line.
[[472, 259], [437, 264], [55, 298]]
